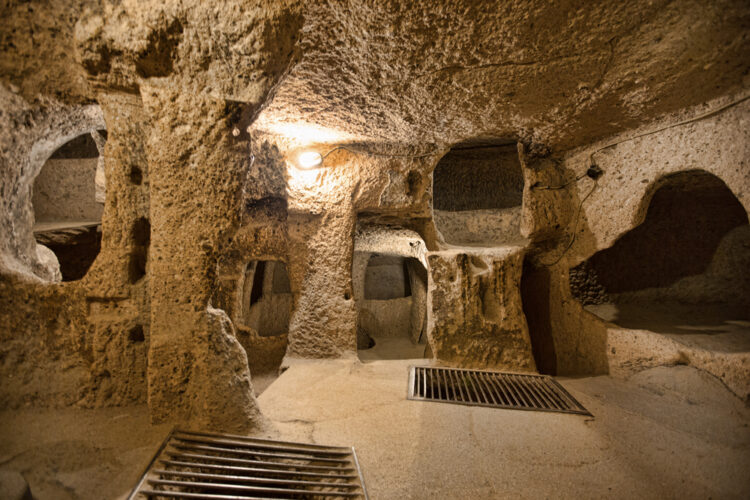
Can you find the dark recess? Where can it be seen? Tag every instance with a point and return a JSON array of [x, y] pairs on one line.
[[82, 146], [687, 217], [535, 297], [157, 59], [77, 253], [257, 291], [141, 238], [136, 334], [136, 175], [478, 177]]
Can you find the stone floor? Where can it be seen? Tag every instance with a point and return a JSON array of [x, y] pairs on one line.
[[391, 348], [667, 432], [664, 433]]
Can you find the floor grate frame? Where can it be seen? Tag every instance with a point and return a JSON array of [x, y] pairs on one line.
[[212, 466], [492, 389]]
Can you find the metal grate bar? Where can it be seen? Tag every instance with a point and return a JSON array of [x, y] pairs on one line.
[[511, 393], [273, 442], [531, 400], [496, 399], [249, 489], [252, 453], [233, 467], [256, 470], [196, 496], [254, 463], [248, 446], [262, 445], [252, 480], [491, 389]]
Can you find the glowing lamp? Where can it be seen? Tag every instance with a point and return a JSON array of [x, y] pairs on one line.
[[309, 159]]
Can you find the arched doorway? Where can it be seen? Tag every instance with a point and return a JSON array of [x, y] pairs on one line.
[[263, 325], [68, 200], [391, 307], [685, 270]]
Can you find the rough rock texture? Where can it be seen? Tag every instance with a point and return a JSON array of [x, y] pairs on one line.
[[559, 75], [30, 135], [188, 235], [207, 107], [38, 52], [219, 384], [475, 317], [13, 486], [487, 228], [633, 171], [48, 259], [93, 333], [632, 351], [65, 190]]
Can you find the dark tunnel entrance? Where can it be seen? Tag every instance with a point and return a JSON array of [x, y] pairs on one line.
[[684, 270]]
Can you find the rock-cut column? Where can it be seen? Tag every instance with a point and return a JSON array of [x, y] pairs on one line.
[[197, 369]]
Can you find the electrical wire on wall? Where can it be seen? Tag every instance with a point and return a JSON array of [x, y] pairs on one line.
[[594, 171]]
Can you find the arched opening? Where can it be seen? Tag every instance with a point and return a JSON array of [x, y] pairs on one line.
[[266, 307], [684, 270], [68, 200], [391, 308], [477, 194]]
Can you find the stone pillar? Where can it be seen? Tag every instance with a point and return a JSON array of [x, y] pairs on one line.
[[475, 317], [324, 321], [197, 369]]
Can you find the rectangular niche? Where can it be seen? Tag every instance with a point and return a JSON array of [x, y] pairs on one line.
[[478, 194]]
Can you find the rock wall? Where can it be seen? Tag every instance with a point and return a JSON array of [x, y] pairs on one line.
[[93, 333], [635, 166], [206, 107], [65, 190], [475, 317]]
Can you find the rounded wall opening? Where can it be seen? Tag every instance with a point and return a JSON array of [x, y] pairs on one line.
[[266, 303], [477, 194], [684, 270], [391, 307], [68, 201]]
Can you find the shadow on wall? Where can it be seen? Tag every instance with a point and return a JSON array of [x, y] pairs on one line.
[[68, 200], [535, 299], [688, 262]]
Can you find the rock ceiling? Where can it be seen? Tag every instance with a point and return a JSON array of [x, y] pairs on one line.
[[557, 74]]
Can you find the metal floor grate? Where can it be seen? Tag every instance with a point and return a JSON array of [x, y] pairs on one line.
[[201, 465], [493, 389]]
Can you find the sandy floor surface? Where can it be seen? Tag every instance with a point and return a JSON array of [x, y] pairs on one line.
[[392, 348], [665, 433], [78, 454]]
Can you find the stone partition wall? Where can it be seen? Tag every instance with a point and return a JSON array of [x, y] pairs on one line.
[[93, 334], [197, 369], [475, 318]]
